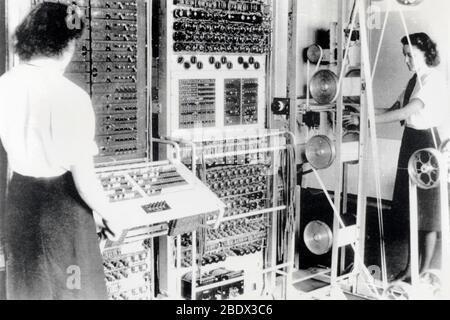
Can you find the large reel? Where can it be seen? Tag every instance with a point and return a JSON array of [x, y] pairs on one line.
[[423, 168], [320, 152], [318, 237], [324, 86], [398, 291]]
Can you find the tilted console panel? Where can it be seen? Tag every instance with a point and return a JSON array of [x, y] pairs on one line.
[[147, 197]]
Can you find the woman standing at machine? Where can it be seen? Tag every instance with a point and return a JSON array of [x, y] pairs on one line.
[[47, 127], [424, 110]]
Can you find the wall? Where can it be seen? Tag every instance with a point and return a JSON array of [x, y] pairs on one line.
[[392, 75], [312, 16]]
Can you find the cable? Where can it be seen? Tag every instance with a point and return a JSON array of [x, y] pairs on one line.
[[342, 225], [373, 135], [383, 30], [351, 14], [346, 53]]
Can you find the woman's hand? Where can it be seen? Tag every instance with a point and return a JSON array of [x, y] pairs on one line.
[[112, 228], [108, 227], [351, 119]]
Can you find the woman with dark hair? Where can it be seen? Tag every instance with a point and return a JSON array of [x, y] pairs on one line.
[[47, 127], [424, 110]]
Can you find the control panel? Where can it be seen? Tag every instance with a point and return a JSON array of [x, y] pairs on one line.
[[238, 237], [243, 172], [218, 284], [197, 103], [220, 26], [129, 271], [241, 101], [219, 46], [110, 64], [150, 193]]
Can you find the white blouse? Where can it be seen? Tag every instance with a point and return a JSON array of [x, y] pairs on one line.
[[434, 95], [47, 123]]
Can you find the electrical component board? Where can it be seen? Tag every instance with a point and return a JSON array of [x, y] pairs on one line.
[[212, 289], [147, 198], [146, 194], [243, 171], [241, 101], [220, 26], [129, 271], [110, 64], [238, 237], [197, 103], [212, 65]]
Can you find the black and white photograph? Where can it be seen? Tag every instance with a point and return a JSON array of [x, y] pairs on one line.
[[224, 150]]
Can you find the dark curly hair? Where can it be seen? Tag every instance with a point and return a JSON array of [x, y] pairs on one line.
[[46, 31], [424, 43]]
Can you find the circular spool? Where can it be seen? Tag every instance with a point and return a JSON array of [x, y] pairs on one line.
[[318, 237], [320, 152], [423, 168], [409, 2], [314, 53], [324, 86], [431, 284], [398, 291]]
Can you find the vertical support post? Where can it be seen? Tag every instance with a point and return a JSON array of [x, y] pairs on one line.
[[362, 174], [149, 95], [163, 75], [3, 158], [292, 80], [338, 161], [194, 267], [362, 7], [344, 211], [292, 84], [445, 229], [167, 284], [271, 61], [414, 235]]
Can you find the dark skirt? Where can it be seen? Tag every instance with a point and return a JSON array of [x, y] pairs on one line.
[[428, 200], [52, 247]]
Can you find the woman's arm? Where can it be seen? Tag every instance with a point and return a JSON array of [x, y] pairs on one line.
[[393, 114], [400, 114], [90, 190], [353, 119]]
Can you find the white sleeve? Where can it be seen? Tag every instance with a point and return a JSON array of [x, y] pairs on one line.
[[432, 94], [73, 129]]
